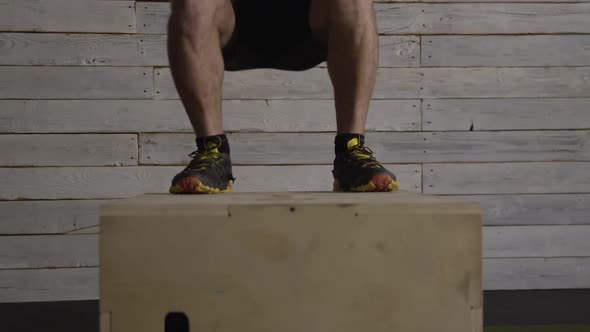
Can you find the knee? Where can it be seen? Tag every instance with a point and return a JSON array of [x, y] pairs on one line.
[[197, 17]]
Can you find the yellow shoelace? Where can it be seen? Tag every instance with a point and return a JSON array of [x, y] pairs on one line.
[[364, 155], [203, 158]]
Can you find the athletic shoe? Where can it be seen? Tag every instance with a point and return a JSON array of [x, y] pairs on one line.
[[357, 170], [210, 172]]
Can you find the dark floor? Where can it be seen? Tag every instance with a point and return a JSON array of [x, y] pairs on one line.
[[539, 328], [504, 311]]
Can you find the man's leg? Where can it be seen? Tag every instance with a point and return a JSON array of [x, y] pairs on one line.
[[348, 28], [197, 31], [349, 32]]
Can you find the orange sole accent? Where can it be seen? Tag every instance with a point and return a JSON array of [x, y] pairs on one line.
[[379, 183], [190, 185]]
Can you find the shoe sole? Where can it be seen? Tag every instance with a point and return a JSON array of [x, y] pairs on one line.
[[194, 186], [377, 184]]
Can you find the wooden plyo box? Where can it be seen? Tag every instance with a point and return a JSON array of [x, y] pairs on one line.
[[291, 262]]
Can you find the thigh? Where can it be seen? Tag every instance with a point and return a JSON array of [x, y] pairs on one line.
[[206, 14]]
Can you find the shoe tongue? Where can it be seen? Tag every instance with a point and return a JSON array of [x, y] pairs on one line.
[[209, 143], [352, 143]]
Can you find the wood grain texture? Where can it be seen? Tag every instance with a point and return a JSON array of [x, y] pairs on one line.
[[49, 251], [517, 82], [67, 16], [118, 182], [534, 204], [308, 148], [152, 17], [536, 241], [75, 82], [518, 51], [49, 217], [508, 274], [399, 51], [271, 114], [320, 253], [482, 18], [547, 209], [222, 205], [81, 216], [68, 150], [506, 146], [258, 84], [505, 114], [111, 116], [507, 178], [506, 82], [536, 273], [442, 18], [296, 148], [48, 285], [52, 49], [81, 250], [505, 273]]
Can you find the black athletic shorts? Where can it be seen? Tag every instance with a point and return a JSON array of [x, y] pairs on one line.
[[272, 34]]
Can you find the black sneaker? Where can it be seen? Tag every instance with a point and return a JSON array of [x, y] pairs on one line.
[[357, 170], [210, 172]]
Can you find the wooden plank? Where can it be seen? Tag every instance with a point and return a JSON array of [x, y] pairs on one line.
[[49, 285], [490, 51], [504, 146], [292, 148], [441, 18], [517, 82], [536, 241], [68, 150], [399, 51], [509, 274], [106, 116], [315, 148], [48, 251], [506, 82], [505, 114], [310, 178], [67, 16], [504, 210], [66, 251], [536, 273], [507, 178], [152, 17], [49, 217], [116, 182], [83, 182], [258, 84], [81, 250], [482, 18], [220, 205], [81, 216], [75, 82], [50, 49]]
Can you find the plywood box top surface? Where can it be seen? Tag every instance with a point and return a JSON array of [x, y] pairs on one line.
[[212, 204]]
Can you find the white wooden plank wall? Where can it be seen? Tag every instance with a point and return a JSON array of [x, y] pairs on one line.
[[488, 100]]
